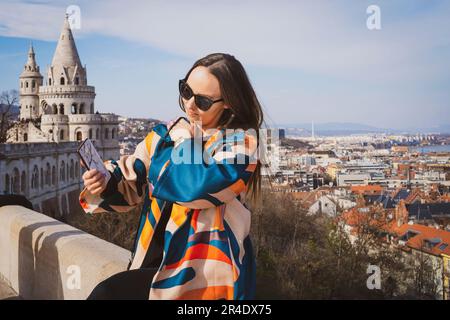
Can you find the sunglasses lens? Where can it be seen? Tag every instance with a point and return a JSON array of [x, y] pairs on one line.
[[203, 103], [185, 91]]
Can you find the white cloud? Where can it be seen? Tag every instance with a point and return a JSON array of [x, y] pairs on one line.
[[320, 37]]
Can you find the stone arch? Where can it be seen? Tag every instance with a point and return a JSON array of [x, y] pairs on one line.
[[61, 108], [42, 178], [53, 175], [77, 169], [82, 111], [35, 178], [62, 171], [72, 168], [49, 81], [25, 137], [74, 108], [62, 81], [23, 182], [54, 109], [7, 184], [48, 174], [106, 133], [61, 134], [78, 135], [16, 181]]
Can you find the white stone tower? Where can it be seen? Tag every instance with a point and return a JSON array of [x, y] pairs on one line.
[[67, 102], [30, 80]]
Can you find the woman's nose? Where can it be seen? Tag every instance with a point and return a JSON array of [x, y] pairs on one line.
[[190, 104]]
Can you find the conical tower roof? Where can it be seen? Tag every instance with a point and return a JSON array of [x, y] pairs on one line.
[[66, 54]]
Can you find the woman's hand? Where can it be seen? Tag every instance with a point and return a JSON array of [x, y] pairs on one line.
[[94, 181]]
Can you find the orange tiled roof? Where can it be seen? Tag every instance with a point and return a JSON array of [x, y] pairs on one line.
[[426, 233], [367, 189]]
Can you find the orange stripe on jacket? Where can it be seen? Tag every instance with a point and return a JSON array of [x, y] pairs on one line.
[[201, 251]]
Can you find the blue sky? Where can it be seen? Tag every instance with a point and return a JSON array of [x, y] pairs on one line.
[[308, 60]]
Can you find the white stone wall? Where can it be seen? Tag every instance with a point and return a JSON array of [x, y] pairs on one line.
[[42, 258], [40, 171]]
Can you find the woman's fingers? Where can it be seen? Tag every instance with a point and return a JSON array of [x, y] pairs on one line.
[[90, 174], [97, 178]]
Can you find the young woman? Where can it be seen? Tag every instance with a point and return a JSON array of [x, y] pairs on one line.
[[193, 239]]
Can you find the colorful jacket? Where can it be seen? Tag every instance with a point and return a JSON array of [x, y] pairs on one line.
[[207, 251]]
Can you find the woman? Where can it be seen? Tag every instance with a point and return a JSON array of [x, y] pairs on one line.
[[193, 239]]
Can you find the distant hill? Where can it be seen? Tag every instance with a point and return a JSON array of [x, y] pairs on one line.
[[347, 128]]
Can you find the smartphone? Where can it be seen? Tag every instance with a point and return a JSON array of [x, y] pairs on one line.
[[91, 159]]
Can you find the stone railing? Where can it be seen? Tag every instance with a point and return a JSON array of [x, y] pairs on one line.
[[42, 258]]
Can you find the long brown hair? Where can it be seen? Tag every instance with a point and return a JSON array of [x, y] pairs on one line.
[[245, 110]]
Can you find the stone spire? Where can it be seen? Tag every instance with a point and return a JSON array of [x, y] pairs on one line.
[[29, 81], [66, 53], [31, 68], [66, 67]]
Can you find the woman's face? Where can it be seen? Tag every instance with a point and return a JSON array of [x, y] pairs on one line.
[[204, 83]]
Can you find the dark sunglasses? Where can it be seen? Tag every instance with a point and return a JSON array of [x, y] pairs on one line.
[[202, 102]]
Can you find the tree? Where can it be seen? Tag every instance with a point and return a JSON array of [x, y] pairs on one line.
[[8, 99]]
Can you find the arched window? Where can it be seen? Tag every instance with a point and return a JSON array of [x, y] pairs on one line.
[[55, 108], [62, 171], [25, 137], [79, 136], [77, 80], [23, 182], [77, 169], [16, 181], [53, 175], [72, 169], [35, 178], [42, 178], [106, 133], [49, 81], [7, 184], [90, 133], [61, 135], [82, 108], [61, 108], [26, 84], [33, 84], [48, 174], [62, 81], [92, 108], [113, 133], [74, 108]]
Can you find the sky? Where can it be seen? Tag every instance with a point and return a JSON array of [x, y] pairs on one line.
[[307, 60]]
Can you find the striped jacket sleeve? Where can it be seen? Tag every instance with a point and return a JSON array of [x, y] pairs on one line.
[[126, 188], [210, 183]]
